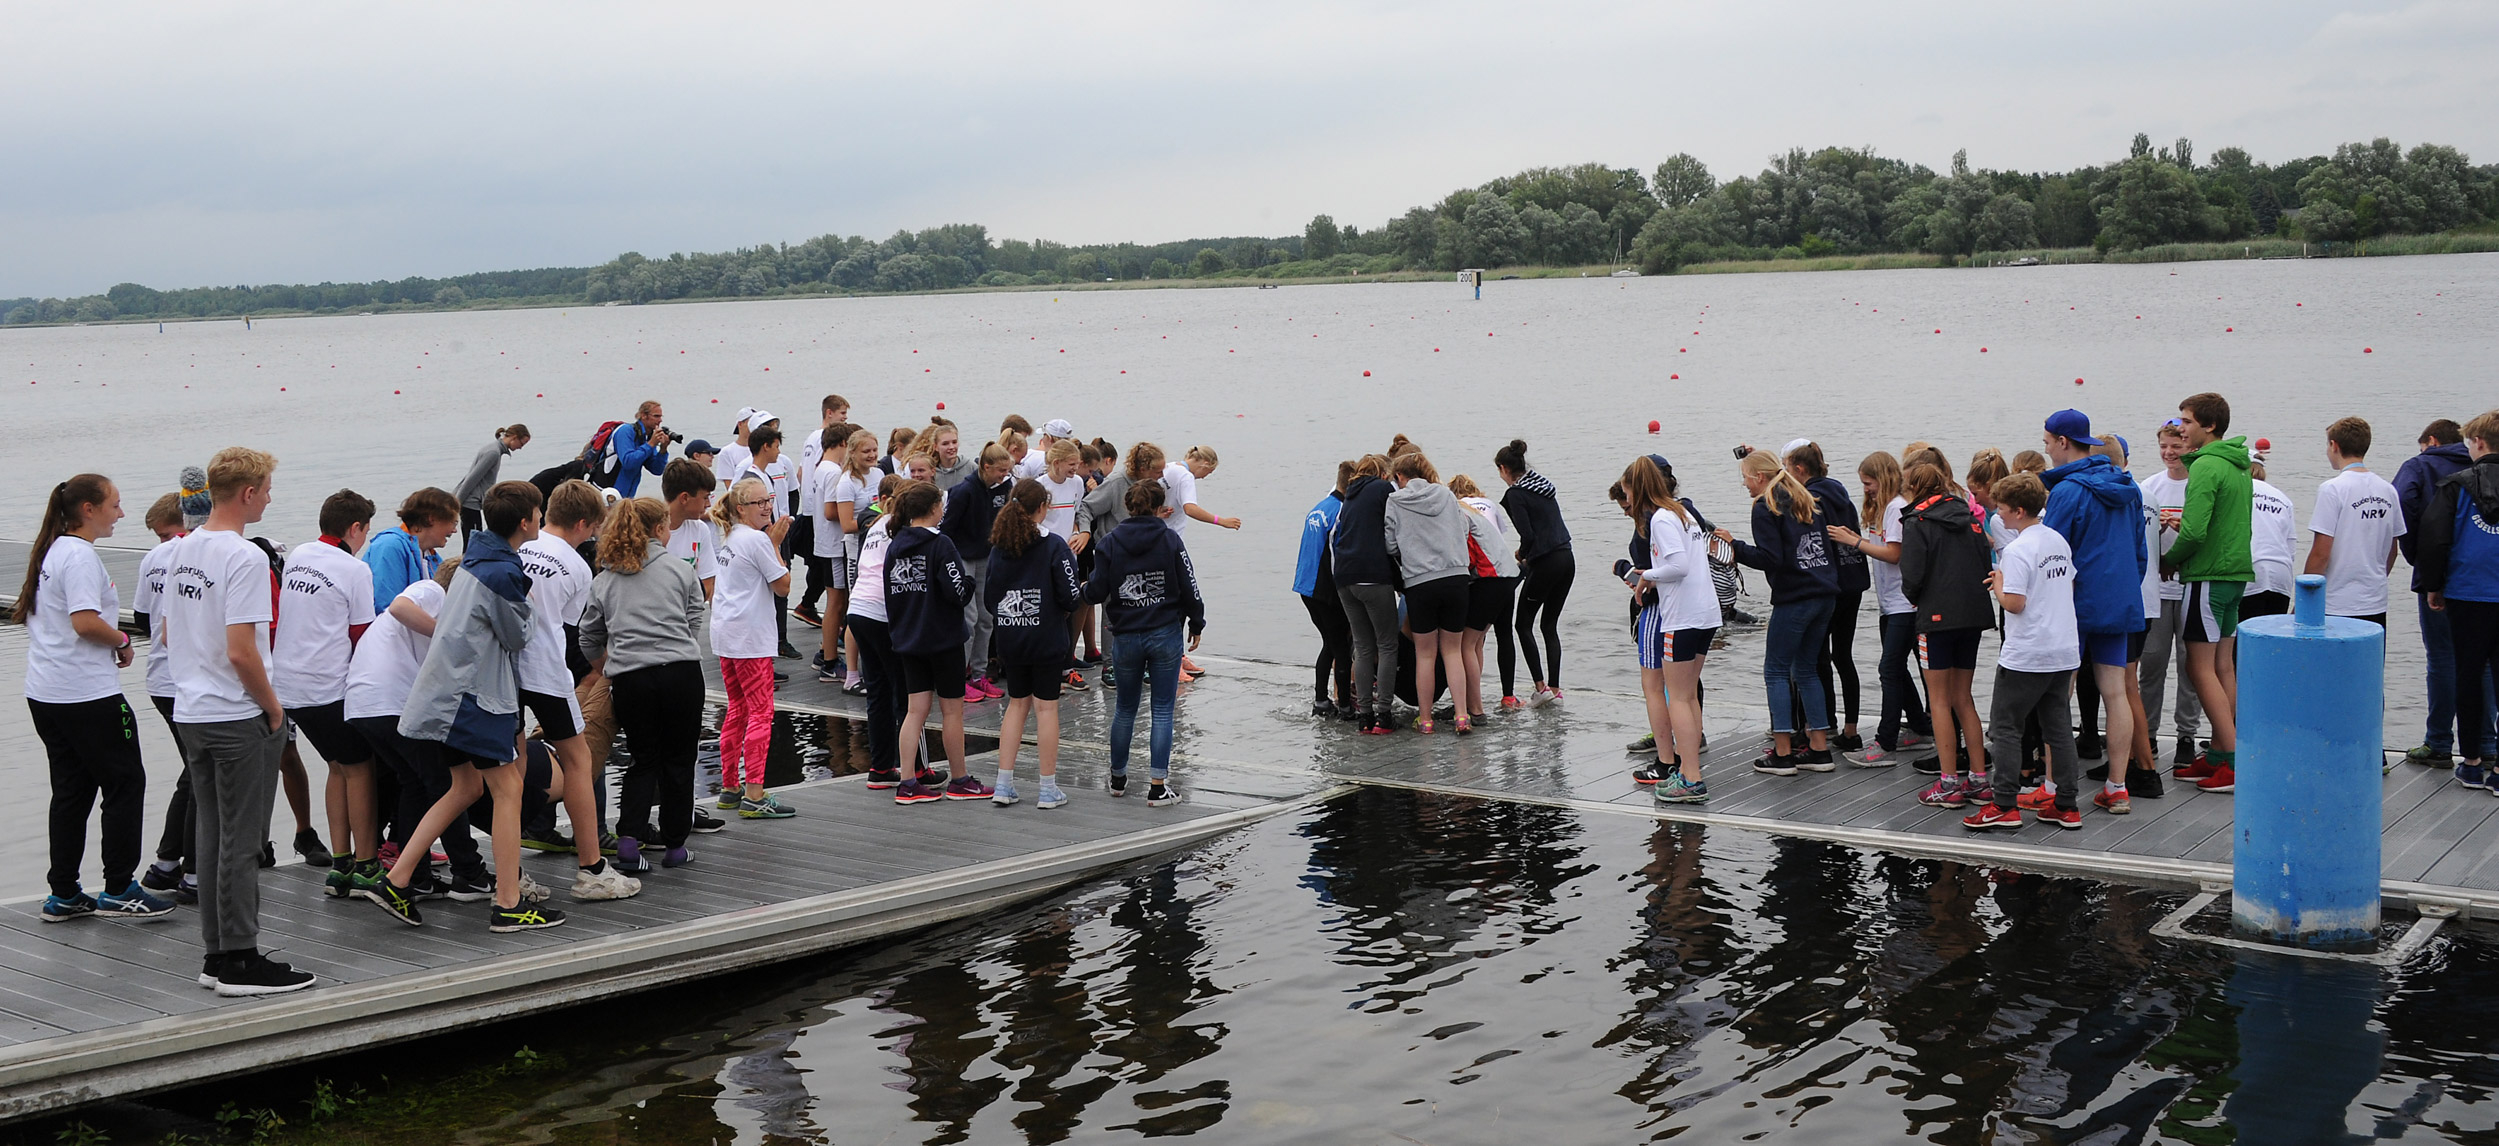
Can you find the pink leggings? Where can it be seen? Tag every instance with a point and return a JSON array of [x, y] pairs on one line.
[[746, 729]]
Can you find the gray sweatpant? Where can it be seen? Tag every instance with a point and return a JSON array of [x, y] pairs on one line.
[[2162, 638], [2018, 695], [1371, 611], [979, 624], [234, 775]]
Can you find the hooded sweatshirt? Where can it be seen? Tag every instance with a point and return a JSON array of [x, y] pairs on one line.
[[2414, 482], [1795, 554], [1425, 529], [1535, 509], [2459, 546], [1032, 596], [1144, 579], [1105, 506], [646, 618], [1313, 575], [477, 643], [1854, 575], [2216, 535], [1944, 561], [1360, 545], [971, 508], [2098, 510], [926, 586], [1492, 532]]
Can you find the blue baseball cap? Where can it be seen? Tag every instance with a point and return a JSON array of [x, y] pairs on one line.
[[2072, 424], [699, 446]]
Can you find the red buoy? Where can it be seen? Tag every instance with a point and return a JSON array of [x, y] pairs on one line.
[[2078, 381], [2368, 350], [1653, 427], [1366, 373], [2264, 443], [941, 405]]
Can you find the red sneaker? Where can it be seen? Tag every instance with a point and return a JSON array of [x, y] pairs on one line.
[[2068, 818], [2114, 803], [2196, 771], [2222, 778], [1990, 816], [2035, 800]]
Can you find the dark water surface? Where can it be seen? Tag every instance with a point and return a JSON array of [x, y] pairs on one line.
[[1394, 967]]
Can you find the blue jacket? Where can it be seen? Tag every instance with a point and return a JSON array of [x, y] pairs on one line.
[[926, 587], [1359, 546], [2414, 482], [635, 456], [971, 508], [396, 563], [1032, 596], [1312, 572], [1795, 554], [2460, 534], [1142, 575], [2098, 510]]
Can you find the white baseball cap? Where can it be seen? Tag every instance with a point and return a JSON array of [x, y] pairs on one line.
[[756, 418], [746, 414], [1794, 446], [1058, 428]]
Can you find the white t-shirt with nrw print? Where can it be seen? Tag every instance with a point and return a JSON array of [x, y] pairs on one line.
[[219, 580], [559, 589], [2357, 509], [2273, 535], [61, 666], [324, 592], [2039, 566], [149, 597]]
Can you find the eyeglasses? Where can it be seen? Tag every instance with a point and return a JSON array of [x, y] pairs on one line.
[[756, 501]]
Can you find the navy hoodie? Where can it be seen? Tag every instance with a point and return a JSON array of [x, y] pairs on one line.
[[2415, 480], [1032, 596], [971, 508], [1360, 544], [1535, 512], [1828, 493], [1142, 575], [926, 587], [1795, 554]]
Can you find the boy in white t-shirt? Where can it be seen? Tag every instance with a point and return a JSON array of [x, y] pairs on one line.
[[2034, 584], [688, 488], [552, 668], [325, 597], [2273, 536], [2165, 494], [2355, 524], [217, 613]]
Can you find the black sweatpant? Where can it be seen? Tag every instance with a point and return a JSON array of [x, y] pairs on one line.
[[1336, 647], [2474, 625], [93, 746], [882, 675], [660, 711], [176, 846], [423, 780], [1543, 585]]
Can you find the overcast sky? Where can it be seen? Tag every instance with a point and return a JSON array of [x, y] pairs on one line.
[[181, 145]]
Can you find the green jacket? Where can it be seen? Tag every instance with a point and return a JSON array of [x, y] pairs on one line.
[[2215, 531]]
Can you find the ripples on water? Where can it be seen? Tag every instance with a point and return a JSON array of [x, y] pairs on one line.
[[1402, 967]]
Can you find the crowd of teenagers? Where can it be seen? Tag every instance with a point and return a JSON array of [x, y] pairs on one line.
[[2097, 581], [488, 689]]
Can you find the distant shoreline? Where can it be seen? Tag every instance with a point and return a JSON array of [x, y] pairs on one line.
[[2454, 243]]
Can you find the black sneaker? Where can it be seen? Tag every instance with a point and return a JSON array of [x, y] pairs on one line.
[[469, 889], [1773, 764], [1159, 794], [787, 652], [1119, 783], [252, 973], [2184, 756], [2143, 783], [188, 894], [779, 677], [1323, 709], [209, 967], [1931, 764], [158, 879], [308, 844], [526, 917], [706, 823], [2096, 771], [1816, 760], [1648, 773], [399, 901], [268, 853], [1848, 742], [2090, 747], [549, 840]]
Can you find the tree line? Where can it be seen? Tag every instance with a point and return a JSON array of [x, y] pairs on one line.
[[1804, 204]]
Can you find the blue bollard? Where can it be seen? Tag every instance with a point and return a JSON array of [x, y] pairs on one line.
[[2312, 693]]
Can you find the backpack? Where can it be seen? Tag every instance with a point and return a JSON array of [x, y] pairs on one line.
[[600, 456], [277, 578]]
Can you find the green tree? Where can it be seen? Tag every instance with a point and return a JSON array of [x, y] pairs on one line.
[[1495, 235], [1681, 180], [1321, 239], [1208, 262], [2151, 202]]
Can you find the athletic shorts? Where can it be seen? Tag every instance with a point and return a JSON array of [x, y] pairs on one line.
[[1488, 601], [940, 672], [1659, 647], [828, 572], [1040, 682], [326, 726], [2264, 605], [2210, 614], [559, 717], [2108, 648], [1437, 606], [1949, 649], [452, 757], [2135, 642]]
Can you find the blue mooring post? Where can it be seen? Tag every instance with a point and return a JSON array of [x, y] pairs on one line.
[[2312, 694]]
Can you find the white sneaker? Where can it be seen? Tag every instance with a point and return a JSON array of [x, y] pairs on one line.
[[1540, 698], [608, 883], [533, 891]]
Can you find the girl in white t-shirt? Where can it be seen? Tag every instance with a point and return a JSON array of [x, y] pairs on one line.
[[75, 651], [848, 495], [1065, 485], [752, 580], [1902, 728], [1678, 621]]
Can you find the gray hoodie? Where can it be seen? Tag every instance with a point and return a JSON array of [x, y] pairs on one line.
[[646, 619], [476, 651], [1427, 532]]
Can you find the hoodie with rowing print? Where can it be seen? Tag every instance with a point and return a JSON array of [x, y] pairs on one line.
[[925, 588], [1032, 593], [1143, 578]]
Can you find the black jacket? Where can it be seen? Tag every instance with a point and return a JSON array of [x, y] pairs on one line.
[[1142, 575], [1828, 493], [1534, 511], [926, 586], [1360, 544], [1795, 554], [1032, 596], [1944, 561], [971, 508]]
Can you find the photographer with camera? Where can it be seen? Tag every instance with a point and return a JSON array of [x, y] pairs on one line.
[[636, 448]]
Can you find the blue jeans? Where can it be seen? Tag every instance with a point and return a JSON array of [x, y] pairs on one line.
[[2438, 646], [1136, 659], [1792, 646], [1902, 704]]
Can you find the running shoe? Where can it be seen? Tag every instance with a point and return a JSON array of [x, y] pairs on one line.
[[1930, 764], [1050, 797], [1677, 790], [1323, 709], [308, 844], [1093, 656], [676, 857], [912, 791], [546, 840], [1875, 756], [524, 917], [2038, 799], [1816, 760], [2096, 772], [533, 891], [159, 878], [1947, 792], [629, 856], [768, 808], [2198, 771], [881, 778], [399, 901], [469, 888], [605, 883], [252, 974], [340, 883], [1990, 816], [779, 677], [2068, 818], [1847, 742], [2144, 782], [1773, 764], [967, 788], [2222, 778], [388, 853], [1541, 697], [188, 895], [830, 675], [808, 616], [2090, 747], [1076, 681], [62, 908], [209, 966], [2428, 756], [268, 853], [2472, 775], [1119, 783], [1159, 794], [1651, 773], [2114, 803], [788, 653], [1647, 743], [705, 823], [1511, 704], [727, 798], [1004, 794]]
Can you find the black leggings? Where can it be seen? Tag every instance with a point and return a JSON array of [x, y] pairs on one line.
[[93, 746], [660, 711], [1336, 647], [1544, 584], [177, 844], [1839, 657], [2475, 627]]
